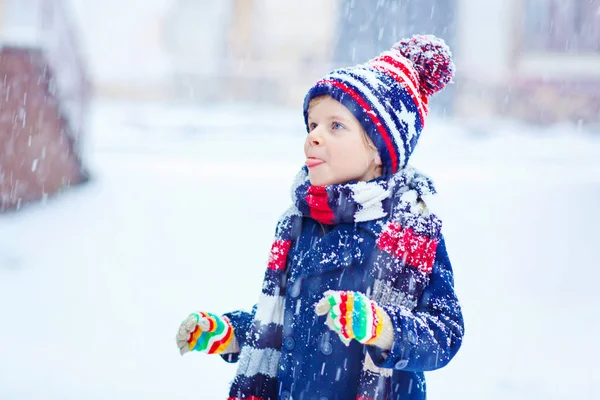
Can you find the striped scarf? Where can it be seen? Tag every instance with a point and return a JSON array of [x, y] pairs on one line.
[[396, 197]]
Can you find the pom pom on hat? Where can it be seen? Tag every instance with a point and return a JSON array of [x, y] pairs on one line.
[[431, 58]]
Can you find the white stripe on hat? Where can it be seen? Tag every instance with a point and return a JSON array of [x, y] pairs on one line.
[[409, 83], [410, 118], [403, 114], [374, 100], [408, 64], [414, 76]]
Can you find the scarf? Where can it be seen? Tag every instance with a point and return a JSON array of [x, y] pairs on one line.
[[408, 236]]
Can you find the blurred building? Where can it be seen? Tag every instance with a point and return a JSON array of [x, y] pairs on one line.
[[43, 98], [537, 60], [261, 50], [533, 59]]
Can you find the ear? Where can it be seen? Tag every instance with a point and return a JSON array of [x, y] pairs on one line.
[[377, 159]]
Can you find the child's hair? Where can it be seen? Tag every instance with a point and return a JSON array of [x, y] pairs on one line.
[[368, 142]]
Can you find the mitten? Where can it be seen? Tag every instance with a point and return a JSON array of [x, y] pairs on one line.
[[352, 315], [207, 333]]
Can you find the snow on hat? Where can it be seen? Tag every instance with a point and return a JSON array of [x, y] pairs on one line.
[[388, 95]]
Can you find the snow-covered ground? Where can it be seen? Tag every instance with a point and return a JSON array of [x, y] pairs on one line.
[[180, 215]]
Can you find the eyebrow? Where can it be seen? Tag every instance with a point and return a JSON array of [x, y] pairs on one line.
[[334, 117], [338, 118]]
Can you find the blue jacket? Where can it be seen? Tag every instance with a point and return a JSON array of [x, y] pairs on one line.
[[314, 363]]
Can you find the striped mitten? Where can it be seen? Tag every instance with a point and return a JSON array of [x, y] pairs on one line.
[[207, 333], [352, 315]]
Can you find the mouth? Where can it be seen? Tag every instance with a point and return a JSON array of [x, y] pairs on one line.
[[312, 162]]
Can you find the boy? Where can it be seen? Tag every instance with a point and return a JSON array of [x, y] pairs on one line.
[[358, 298]]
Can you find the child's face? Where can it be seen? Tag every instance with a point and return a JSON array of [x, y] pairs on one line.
[[337, 148]]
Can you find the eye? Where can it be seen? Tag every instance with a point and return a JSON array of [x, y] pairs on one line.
[[311, 126], [337, 126]]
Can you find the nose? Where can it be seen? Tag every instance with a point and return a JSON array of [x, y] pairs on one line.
[[314, 139]]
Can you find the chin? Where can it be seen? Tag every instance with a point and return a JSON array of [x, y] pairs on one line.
[[315, 182], [326, 181], [318, 180]]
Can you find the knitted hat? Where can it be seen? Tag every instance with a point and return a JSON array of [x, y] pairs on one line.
[[389, 94]]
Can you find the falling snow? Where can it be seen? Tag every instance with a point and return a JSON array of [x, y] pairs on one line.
[[104, 252]]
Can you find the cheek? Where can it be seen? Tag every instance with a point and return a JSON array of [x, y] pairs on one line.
[[353, 154]]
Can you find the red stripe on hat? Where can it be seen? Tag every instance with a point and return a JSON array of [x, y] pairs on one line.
[[279, 253], [419, 100], [410, 73], [374, 118], [319, 205], [422, 104]]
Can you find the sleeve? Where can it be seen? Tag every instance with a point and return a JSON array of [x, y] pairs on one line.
[[241, 322], [429, 336]]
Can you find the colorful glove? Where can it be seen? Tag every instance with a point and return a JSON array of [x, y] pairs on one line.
[[353, 316], [205, 332]]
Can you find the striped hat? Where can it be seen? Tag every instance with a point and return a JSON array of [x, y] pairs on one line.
[[388, 95]]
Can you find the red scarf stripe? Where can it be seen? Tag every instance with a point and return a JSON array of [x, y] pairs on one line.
[[279, 253], [415, 250], [319, 204]]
